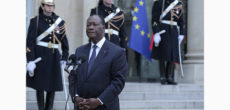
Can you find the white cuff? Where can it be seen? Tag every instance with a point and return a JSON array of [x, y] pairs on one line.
[[100, 101]]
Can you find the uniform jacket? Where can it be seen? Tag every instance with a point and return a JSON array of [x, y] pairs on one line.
[[106, 78], [168, 47], [116, 23], [47, 73]]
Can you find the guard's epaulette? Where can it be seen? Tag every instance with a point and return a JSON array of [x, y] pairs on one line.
[[120, 9], [32, 17], [94, 7]]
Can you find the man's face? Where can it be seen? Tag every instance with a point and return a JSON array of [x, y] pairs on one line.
[[95, 28], [48, 8], [108, 2]]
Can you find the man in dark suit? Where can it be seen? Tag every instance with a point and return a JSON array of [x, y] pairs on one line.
[[100, 79]]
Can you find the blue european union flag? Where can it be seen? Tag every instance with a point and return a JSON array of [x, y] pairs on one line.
[[140, 37]]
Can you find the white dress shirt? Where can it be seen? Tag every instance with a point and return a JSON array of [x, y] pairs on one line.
[[98, 48]]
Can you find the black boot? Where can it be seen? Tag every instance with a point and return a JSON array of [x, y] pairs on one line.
[[170, 73], [162, 72], [40, 99], [49, 100]]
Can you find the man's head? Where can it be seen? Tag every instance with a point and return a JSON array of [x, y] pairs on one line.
[[48, 6], [95, 28]]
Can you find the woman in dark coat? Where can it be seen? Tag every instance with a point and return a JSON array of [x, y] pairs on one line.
[[47, 72], [166, 44], [115, 29]]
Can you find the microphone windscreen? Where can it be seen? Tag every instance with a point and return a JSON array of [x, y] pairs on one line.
[[81, 59], [72, 58]]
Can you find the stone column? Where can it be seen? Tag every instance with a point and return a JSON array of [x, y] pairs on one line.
[[194, 64]]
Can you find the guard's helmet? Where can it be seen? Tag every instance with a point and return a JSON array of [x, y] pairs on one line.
[[47, 2]]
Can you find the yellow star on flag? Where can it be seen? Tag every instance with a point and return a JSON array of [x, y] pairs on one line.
[[137, 26], [141, 3], [134, 18], [142, 32], [148, 35], [136, 9]]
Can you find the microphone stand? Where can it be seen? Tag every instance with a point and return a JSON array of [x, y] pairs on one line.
[[75, 69]]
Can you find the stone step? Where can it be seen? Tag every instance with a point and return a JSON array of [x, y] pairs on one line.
[[158, 88], [162, 104], [131, 105], [60, 96], [160, 96], [162, 109], [58, 105], [144, 96]]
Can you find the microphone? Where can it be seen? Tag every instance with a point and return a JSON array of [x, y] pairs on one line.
[[79, 61], [70, 63], [73, 63]]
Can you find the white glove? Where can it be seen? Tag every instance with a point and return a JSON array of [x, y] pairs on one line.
[[31, 66], [63, 63], [180, 38], [157, 39]]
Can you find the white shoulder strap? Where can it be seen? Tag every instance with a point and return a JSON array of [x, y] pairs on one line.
[[49, 30], [110, 16], [173, 4]]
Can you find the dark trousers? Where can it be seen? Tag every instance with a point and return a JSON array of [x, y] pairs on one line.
[[49, 100]]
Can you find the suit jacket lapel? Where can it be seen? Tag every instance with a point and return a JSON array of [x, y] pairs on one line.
[[85, 65], [102, 53]]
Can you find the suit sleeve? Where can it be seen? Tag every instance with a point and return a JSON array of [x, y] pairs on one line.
[[156, 12], [118, 75], [31, 40], [64, 45]]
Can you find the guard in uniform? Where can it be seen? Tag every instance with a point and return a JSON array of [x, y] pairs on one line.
[[114, 19], [46, 34], [168, 29]]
